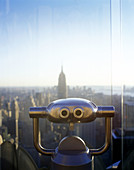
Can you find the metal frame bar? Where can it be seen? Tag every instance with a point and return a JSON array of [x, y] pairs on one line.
[[107, 139], [52, 151], [36, 139]]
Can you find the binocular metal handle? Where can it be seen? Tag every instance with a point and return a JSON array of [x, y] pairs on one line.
[[38, 112], [36, 139], [52, 151], [105, 111], [107, 139]]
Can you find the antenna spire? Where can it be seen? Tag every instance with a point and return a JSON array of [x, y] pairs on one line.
[[61, 68]]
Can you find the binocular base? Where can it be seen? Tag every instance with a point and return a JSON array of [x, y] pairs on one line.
[[55, 166], [71, 154]]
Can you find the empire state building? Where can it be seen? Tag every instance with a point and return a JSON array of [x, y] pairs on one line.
[[62, 87]]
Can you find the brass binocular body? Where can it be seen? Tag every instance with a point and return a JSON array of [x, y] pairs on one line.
[[71, 111]]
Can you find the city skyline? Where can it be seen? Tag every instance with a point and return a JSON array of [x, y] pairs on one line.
[[37, 37]]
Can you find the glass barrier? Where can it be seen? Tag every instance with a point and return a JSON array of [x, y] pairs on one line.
[[56, 49]]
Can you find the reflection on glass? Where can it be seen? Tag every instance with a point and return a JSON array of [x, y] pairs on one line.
[[56, 49]]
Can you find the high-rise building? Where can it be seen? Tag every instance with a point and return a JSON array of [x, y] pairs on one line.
[[13, 128], [62, 87], [128, 113]]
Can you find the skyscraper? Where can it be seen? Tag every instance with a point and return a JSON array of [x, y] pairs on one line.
[[62, 88]]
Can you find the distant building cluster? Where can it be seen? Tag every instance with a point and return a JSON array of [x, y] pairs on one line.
[[16, 125]]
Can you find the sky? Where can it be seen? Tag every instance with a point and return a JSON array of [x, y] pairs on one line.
[[37, 37]]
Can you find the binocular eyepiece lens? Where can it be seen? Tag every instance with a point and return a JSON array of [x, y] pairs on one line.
[[64, 113], [78, 113]]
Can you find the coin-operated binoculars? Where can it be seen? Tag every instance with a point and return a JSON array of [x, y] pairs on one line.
[[72, 152]]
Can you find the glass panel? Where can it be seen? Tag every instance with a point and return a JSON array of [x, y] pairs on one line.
[[72, 48], [128, 105], [122, 61]]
